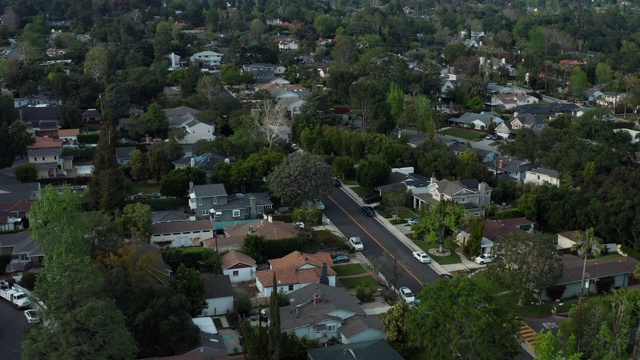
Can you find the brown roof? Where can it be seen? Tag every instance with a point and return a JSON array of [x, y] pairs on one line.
[[597, 268], [68, 132], [359, 323], [270, 230], [571, 235], [291, 276], [177, 226], [298, 259], [234, 257], [45, 142], [517, 221], [494, 229]]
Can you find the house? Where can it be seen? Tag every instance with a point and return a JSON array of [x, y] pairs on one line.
[[509, 128], [68, 135], [168, 215], [541, 176], [323, 70], [405, 179], [91, 116], [472, 194], [212, 202], [497, 65], [180, 233], [480, 121], [295, 271], [509, 168], [263, 73], [319, 312], [449, 84], [211, 344], [208, 59], [46, 112], [238, 266], [13, 215], [549, 110], [494, 88], [218, 294], [34, 100], [206, 161], [180, 115], [485, 155], [172, 92], [288, 45], [292, 104], [521, 223], [568, 239], [611, 98], [195, 130], [593, 95], [493, 231], [24, 253], [616, 271], [511, 101], [375, 349], [236, 232], [123, 154], [44, 128], [46, 155]]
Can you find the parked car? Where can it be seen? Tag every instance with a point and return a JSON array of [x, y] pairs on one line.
[[488, 137], [446, 277], [295, 147], [356, 243], [32, 316], [407, 295], [412, 221], [340, 259], [319, 204], [483, 259], [372, 199], [368, 210], [337, 183], [422, 257]]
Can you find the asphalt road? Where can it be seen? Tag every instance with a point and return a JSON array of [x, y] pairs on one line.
[[378, 242], [13, 325]]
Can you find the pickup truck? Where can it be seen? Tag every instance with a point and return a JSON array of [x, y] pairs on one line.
[[14, 295]]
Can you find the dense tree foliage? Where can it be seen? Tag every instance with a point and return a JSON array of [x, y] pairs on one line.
[[310, 177]]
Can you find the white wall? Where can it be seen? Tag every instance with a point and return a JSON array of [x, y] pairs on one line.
[[218, 306], [244, 274], [182, 239]]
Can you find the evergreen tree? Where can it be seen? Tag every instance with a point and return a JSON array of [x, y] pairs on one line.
[[107, 186], [275, 335]]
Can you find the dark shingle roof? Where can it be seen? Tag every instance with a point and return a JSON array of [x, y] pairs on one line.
[[209, 190], [169, 215], [217, 286], [30, 113], [358, 323], [376, 349], [44, 152]]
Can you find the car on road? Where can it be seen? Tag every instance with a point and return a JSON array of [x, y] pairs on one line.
[[483, 259], [407, 295], [368, 210], [340, 259], [422, 257], [413, 221], [32, 316], [372, 199], [446, 277], [319, 204], [337, 183], [356, 243]]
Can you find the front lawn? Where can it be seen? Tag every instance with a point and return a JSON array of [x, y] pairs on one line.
[[461, 133], [363, 191], [350, 182], [453, 258], [349, 269], [352, 283], [481, 280]]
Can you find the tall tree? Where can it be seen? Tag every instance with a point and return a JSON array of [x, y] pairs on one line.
[[472, 247], [21, 138], [308, 175], [579, 82], [458, 319], [97, 63], [139, 163], [604, 75], [155, 121], [135, 221], [440, 221], [176, 182], [189, 283], [106, 191], [395, 99], [587, 243], [275, 334], [273, 122]]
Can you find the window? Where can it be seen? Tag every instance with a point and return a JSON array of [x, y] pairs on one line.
[[464, 199], [236, 272], [331, 327], [43, 158], [55, 157], [538, 177], [476, 214], [205, 212], [290, 287], [215, 200], [200, 201], [236, 213], [488, 193], [35, 159]]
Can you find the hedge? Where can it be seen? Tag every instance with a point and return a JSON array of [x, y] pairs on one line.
[[88, 138], [630, 252], [162, 204]]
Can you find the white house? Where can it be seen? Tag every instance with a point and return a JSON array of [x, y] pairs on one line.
[[196, 130], [238, 266], [207, 58], [288, 45], [294, 272], [541, 176], [218, 294], [181, 233]]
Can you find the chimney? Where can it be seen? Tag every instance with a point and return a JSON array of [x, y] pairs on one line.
[[193, 162], [316, 299], [251, 229], [500, 164], [190, 186], [324, 279], [252, 204]]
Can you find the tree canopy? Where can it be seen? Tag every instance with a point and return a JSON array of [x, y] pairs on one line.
[[299, 178]]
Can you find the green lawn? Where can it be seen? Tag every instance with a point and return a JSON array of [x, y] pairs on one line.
[[138, 187], [218, 323], [352, 283], [350, 182], [349, 269], [453, 258], [461, 133], [481, 280], [362, 191]]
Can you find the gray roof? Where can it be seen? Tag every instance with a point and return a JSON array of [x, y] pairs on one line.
[[531, 119], [359, 323], [180, 111], [366, 350], [123, 152], [331, 299], [547, 109], [20, 243], [217, 286], [29, 113], [233, 203], [485, 118], [209, 190], [44, 151], [169, 215], [548, 172]]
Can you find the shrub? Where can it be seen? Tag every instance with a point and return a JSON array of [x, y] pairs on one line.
[[5, 259], [555, 292], [364, 294], [28, 280], [88, 138]]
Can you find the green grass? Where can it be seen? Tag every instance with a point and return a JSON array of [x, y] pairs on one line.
[[352, 283], [453, 258], [481, 280], [362, 191], [217, 323], [350, 182], [139, 187], [544, 309], [461, 133], [349, 269]]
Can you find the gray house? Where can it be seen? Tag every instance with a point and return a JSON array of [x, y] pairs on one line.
[[475, 196], [212, 202]]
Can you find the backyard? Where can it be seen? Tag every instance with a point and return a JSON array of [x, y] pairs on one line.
[[140, 187]]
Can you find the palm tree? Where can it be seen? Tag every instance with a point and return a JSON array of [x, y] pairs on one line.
[[587, 243]]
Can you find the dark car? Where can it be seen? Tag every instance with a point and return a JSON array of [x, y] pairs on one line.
[[340, 259], [446, 277], [372, 199], [337, 183], [368, 210]]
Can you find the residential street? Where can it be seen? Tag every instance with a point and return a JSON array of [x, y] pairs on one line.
[[12, 331]]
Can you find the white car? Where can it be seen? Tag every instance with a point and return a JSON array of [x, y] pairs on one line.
[[413, 221], [407, 295], [422, 257], [318, 204], [483, 259], [356, 243], [32, 316]]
